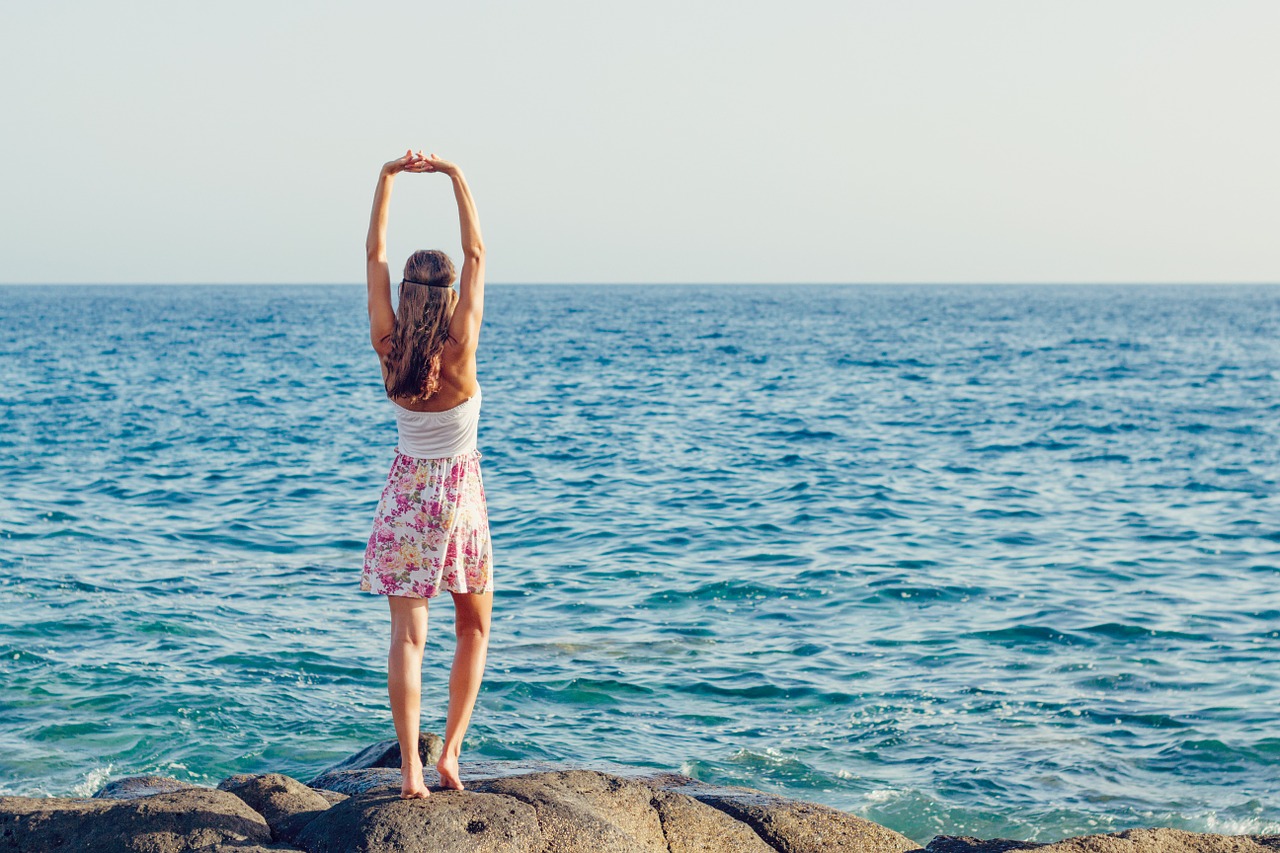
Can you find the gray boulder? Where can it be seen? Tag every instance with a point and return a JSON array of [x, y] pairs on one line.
[[793, 826], [132, 787], [590, 810], [1130, 841], [970, 844], [352, 782], [386, 753], [445, 822], [586, 810], [286, 804], [332, 796], [694, 827], [193, 818]]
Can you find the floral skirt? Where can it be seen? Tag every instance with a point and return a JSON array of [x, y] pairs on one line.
[[431, 530]]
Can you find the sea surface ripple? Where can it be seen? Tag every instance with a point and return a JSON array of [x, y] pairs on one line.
[[987, 560]]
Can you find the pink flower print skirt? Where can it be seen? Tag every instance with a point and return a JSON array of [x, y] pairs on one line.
[[431, 530]]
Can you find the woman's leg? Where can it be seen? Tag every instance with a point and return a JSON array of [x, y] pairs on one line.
[[471, 624], [404, 683]]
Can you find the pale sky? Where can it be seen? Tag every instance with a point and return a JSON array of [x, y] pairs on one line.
[[691, 141]]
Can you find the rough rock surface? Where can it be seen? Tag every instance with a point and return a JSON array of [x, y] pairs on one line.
[[332, 796], [285, 803], [792, 826], [353, 782], [131, 787], [1130, 841], [589, 810], [446, 821], [695, 827], [171, 822], [585, 810], [969, 844]]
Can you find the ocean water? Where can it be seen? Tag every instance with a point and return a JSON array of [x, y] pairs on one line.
[[990, 560]]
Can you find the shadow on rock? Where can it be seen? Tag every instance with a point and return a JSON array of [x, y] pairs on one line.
[[286, 804]]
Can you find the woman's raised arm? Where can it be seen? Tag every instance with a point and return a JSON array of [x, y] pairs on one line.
[[465, 325], [382, 318]]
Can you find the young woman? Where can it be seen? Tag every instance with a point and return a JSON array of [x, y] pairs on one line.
[[431, 531]]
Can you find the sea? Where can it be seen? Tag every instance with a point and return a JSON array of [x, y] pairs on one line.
[[991, 560]]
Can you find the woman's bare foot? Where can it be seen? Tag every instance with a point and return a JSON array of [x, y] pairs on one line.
[[413, 787], [447, 767]]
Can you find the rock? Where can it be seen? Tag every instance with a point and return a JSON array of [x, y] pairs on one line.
[[352, 782], [793, 826], [1129, 841], [488, 768], [584, 810], [193, 818], [447, 822], [540, 807], [132, 787], [580, 809], [332, 796], [694, 827], [285, 803], [248, 848], [969, 844], [386, 753]]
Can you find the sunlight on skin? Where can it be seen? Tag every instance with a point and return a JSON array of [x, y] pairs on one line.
[[473, 613]]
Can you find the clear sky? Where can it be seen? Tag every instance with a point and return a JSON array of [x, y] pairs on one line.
[[689, 141]]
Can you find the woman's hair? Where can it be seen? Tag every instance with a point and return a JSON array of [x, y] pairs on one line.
[[422, 326]]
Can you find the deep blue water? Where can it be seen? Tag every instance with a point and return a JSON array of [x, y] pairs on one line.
[[989, 560]]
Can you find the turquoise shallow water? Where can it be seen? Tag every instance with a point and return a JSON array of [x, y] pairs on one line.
[[964, 559]]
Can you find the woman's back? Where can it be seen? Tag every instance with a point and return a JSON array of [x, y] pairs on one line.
[[457, 382]]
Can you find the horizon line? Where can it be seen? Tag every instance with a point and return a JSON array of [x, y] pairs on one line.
[[1002, 283]]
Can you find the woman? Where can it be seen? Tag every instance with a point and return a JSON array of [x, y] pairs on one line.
[[431, 531]]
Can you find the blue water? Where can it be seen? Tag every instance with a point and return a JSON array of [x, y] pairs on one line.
[[966, 559]]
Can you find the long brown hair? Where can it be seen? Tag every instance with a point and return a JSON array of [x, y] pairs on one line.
[[422, 326]]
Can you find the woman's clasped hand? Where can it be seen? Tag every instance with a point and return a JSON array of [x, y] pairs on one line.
[[418, 162]]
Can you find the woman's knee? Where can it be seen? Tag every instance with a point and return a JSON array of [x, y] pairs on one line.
[[471, 624], [409, 637], [471, 631]]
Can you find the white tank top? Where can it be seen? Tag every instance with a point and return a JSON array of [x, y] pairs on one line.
[[435, 435]]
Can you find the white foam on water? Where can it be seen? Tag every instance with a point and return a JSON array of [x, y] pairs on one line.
[[769, 754], [1240, 825], [93, 781]]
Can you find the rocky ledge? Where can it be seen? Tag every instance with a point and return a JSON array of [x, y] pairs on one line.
[[355, 807]]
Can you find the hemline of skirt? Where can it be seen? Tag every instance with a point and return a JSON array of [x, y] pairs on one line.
[[442, 589]]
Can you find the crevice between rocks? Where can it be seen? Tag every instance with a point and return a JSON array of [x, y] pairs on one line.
[[743, 817], [747, 824]]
